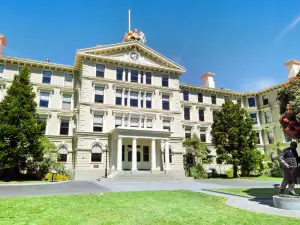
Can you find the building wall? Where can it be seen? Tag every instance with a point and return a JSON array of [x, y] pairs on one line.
[[81, 137]]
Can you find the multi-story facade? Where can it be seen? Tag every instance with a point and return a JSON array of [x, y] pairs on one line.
[[123, 104]]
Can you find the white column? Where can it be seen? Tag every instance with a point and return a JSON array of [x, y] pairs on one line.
[[139, 99], [144, 78], [112, 155], [153, 155], [123, 97], [167, 155], [119, 156], [139, 77], [128, 98], [134, 158], [129, 75], [145, 122], [144, 102]]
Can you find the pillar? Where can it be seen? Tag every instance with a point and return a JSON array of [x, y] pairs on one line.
[[153, 155], [167, 167], [134, 155], [119, 155]]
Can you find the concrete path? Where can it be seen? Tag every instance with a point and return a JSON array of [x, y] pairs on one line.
[[255, 205], [71, 187]]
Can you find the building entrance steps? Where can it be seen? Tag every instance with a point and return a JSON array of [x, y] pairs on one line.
[[148, 176]]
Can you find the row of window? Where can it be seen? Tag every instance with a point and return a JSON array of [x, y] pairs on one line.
[[134, 76], [132, 98], [64, 126], [96, 154], [186, 97], [267, 114], [252, 101], [201, 114], [128, 122], [45, 99], [188, 133], [47, 76]]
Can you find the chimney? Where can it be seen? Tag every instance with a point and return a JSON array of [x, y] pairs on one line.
[[293, 68], [2, 43], [208, 80]]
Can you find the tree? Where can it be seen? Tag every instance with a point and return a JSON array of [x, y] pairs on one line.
[[197, 148], [289, 97], [232, 135], [20, 131]]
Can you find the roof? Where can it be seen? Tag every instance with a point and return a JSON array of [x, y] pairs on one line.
[[35, 63]]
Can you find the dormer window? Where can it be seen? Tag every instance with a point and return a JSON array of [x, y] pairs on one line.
[[47, 77], [186, 95], [119, 73], [1, 70], [134, 76], [251, 102], [148, 77], [165, 81], [100, 69]]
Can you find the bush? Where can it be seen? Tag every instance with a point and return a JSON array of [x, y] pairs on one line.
[[252, 163], [60, 169], [229, 172], [273, 170], [198, 171], [60, 177]]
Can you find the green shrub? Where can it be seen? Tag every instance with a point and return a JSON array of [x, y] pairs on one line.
[[198, 171], [229, 173], [60, 177], [274, 169]]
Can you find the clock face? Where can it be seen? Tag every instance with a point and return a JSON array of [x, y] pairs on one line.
[[134, 56]]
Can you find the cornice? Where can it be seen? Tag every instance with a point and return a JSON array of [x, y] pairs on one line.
[[51, 110], [127, 108], [38, 64]]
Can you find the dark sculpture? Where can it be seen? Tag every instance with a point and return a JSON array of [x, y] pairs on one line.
[[289, 160]]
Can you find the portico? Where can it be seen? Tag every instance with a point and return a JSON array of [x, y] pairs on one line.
[[139, 149]]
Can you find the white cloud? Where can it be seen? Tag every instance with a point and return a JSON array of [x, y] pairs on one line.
[[257, 84], [289, 27]]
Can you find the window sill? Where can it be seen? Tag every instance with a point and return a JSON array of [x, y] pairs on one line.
[[97, 163]]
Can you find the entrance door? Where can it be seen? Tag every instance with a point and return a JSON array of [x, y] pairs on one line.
[[129, 160]]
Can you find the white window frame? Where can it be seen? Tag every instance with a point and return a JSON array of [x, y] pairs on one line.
[[101, 115], [62, 99], [2, 74], [63, 147], [51, 78], [49, 100], [68, 82], [101, 151], [103, 71]]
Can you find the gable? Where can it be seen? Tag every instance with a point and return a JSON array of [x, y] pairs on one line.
[[132, 54]]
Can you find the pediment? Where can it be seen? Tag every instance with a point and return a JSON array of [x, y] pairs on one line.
[[133, 53]]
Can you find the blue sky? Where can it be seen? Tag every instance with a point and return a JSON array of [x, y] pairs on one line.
[[245, 42]]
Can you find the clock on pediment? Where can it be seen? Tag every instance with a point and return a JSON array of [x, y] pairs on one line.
[[134, 56]]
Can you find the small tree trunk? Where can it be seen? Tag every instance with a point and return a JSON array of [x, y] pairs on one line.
[[235, 171]]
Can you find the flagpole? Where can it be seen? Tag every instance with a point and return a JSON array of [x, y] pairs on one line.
[[128, 19]]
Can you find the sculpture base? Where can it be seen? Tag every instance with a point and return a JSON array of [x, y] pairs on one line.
[[288, 202]]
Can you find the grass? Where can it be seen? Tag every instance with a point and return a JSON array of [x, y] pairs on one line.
[[23, 182], [261, 178], [252, 192], [142, 208]]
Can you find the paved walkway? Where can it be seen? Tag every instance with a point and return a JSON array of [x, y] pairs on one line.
[[81, 187]]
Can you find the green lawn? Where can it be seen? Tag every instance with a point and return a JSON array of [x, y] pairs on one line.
[[25, 182], [151, 207], [253, 192], [262, 178]]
